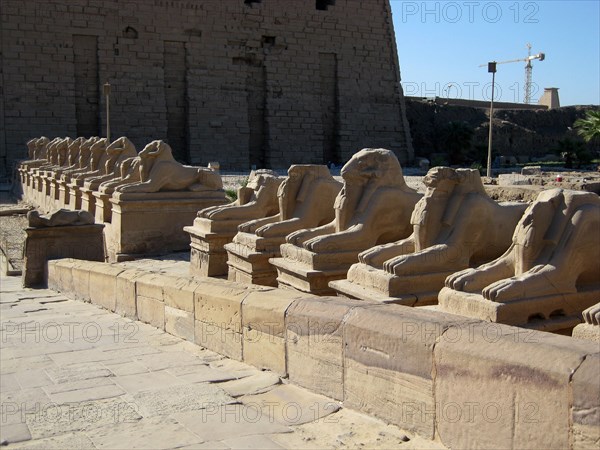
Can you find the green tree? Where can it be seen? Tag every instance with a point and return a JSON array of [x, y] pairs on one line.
[[573, 153], [589, 126]]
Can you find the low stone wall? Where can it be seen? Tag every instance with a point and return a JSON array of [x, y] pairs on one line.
[[464, 382]]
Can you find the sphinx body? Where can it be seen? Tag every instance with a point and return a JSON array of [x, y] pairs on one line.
[[68, 151], [83, 160], [306, 199], [373, 207], [455, 225], [116, 153], [60, 217], [549, 274], [216, 225], [160, 172], [255, 200], [96, 165]]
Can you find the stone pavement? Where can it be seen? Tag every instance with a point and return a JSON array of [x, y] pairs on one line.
[[77, 376]]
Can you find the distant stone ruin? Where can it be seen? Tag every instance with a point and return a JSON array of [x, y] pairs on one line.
[[251, 84]]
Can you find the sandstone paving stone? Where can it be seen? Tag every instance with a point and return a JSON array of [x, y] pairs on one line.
[[211, 445], [180, 398], [89, 394], [204, 355], [151, 408], [9, 383], [78, 372], [202, 374], [92, 355], [70, 440], [162, 360], [351, 429], [254, 384], [224, 421], [147, 381], [33, 378], [128, 353], [78, 385], [60, 419], [291, 405], [239, 368], [17, 403], [45, 347], [19, 364], [162, 339], [14, 432], [148, 433], [251, 442], [125, 368]]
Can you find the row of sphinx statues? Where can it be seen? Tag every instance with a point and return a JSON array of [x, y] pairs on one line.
[[374, 238], [116, 166], [369, 235]]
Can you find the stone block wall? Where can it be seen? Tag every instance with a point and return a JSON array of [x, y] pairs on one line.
[[463, 382], [266, 82]]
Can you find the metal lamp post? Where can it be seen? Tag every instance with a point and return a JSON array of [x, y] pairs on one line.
[[107, 98], [492, 70]]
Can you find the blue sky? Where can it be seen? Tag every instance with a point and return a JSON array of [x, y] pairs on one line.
[[442, 43]]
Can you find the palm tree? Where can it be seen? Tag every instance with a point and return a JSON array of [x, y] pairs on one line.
[[589, 127], [573, 152]]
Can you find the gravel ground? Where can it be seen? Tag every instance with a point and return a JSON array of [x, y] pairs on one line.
[[234, 181]]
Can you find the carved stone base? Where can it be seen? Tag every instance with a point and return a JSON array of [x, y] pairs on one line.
[[74, 197], [43, 196], [292, 275], [53, 201], [365, 282], [88, 201], [550, 313], [64, 194], [208, 257], [248, 259], [103, 208], [153, 223], [311, 272], [43, 244]]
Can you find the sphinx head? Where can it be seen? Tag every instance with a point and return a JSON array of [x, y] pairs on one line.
[[156, 149], [119, 146], [379, 165]]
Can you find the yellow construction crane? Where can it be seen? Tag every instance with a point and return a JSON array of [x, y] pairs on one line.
[[528, 70]]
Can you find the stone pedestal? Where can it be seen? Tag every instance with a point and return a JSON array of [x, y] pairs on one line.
[[54, 198], [26, 183], [365, 282], [208, 257], [63, 193], [555, 313], [46, 243], [35, 189], [311, 272], [103, 208], [45, 202], [88, 201], [153, 223], [248, 258], [74, 196]]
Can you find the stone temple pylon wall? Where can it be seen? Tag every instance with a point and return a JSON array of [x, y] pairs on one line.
[[274, 82]]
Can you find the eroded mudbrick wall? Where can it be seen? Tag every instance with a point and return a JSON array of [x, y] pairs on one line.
[[243, 82]]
